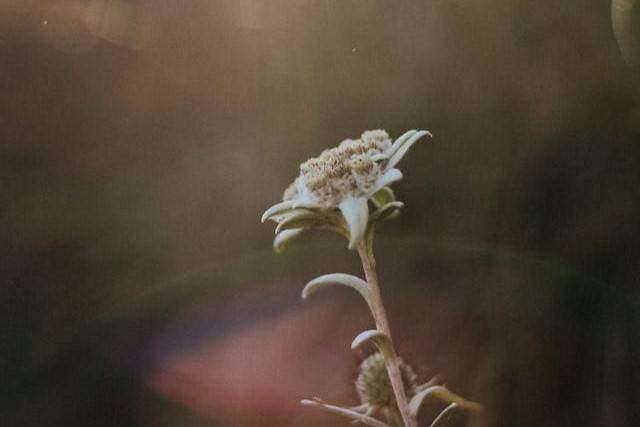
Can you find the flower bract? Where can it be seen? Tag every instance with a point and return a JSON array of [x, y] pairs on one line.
[[333, 190]]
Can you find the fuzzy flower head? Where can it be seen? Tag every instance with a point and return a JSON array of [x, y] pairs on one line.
[[348, 170], [374, 386], [332, 190]]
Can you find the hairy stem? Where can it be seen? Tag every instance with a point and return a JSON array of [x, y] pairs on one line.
[[365, 250]]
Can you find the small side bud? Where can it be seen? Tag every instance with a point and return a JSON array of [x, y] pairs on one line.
[[374, 386]]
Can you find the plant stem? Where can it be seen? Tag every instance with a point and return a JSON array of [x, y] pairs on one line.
[[365, 250]]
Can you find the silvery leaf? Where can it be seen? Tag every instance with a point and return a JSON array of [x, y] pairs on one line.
[[380, 339], [432, 381], [383, 196], [338, 279], [386, 211], [356, 215], [301, 220], [400, 141], [284, 215], [287, 205], [345, 412], [442, 393], [379, 156], [282, 239], [390, 176], [444, 415], [397, 152]]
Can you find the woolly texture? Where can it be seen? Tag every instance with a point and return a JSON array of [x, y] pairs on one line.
[[346, 170], [373, 384], [333, 190]]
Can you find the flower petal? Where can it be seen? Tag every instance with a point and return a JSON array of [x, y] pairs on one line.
[[282, 239], [276, 209], [353, 282], [390, 176], [301, 219], [356, 214], [345, 412], [280, 208], [401, 140], [397, 152], [379, 156], [286, 214]]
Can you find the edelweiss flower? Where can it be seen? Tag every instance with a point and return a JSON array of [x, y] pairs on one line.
[[333, 189]]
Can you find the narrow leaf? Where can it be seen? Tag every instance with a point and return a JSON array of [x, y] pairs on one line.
[[277, 208], [432, 381], [386, 211], [390, 176], [287, 205], [282, 239], [356, 215], [400, 141], [345, 412], [441, 393], [383, 196], [338, 279], [380, 339], [444, 415], [281, 216], [379, 156], [300, 220], [399, 151]]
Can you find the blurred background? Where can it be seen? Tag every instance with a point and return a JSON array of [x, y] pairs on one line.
[[141, 140]]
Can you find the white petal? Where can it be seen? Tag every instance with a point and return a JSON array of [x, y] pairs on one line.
[[356, 214], [398, 152], [276, 209], [286, 205], [345, 412], [338, 279], [299, 219], [378, 157], [390, 176], [282, 239], [401, 140], [286, 214]]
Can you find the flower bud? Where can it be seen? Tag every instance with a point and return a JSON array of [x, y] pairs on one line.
[[377, 140], [373, 384]]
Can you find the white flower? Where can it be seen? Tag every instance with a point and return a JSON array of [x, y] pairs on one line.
[[333, 189]]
